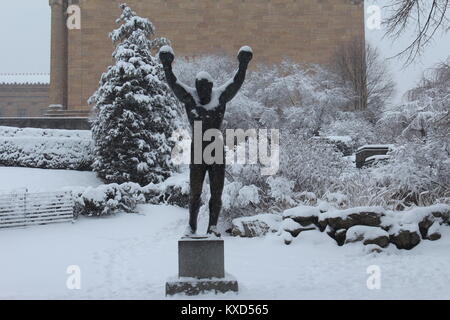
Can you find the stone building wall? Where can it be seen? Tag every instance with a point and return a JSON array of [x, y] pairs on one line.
[[23, 100], [303, 30]]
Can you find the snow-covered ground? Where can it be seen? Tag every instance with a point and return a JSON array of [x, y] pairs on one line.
[[131, 256], [12, 178]]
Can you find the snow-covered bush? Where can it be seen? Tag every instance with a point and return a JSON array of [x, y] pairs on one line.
[[353, 125], [281, 190], [238, 200], [419, 168], [46, 148], [108, 199], [112, 198], [295, 96], [419, 172], [135, 109], [313, 164], [173, 191]]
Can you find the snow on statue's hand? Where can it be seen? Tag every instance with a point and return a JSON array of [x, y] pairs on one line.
[[166, 57], [245, 55]]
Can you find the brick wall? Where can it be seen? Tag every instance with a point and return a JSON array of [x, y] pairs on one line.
[[303, 30]]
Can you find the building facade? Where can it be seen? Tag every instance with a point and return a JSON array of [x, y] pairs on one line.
[[303, 30], [24, 95]]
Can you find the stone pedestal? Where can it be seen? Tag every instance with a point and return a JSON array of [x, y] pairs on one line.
[[201, 268]]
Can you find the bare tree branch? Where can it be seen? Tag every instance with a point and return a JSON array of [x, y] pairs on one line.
[[427, 17]]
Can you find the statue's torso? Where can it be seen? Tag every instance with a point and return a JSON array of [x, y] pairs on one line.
[[210, 116]]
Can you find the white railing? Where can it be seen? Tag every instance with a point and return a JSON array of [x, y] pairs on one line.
[[23, 208]]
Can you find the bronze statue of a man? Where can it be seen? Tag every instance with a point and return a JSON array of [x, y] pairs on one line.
[[206, 104]]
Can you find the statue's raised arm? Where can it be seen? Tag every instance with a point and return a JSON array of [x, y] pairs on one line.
[[231, 88], [167, 57]]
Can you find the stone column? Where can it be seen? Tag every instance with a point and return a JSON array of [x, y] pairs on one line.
[[58, 65]]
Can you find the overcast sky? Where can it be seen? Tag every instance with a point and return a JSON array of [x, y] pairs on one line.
[[25, 42]]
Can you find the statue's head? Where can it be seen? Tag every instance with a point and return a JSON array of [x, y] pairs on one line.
[[204, 85]]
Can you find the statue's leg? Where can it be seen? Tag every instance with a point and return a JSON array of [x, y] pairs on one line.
[[197, 175], [216, 174]]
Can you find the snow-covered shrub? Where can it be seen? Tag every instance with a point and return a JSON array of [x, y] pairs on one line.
[[313, 164], [111, 198], [108, 199], [46, 148], [419, 168], [281, 190], [295, 96], [419, 173], [172, 191], [237, 200], [135, 110], [353, 125]]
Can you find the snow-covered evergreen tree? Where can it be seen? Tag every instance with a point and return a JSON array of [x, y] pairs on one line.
[[135, 110]]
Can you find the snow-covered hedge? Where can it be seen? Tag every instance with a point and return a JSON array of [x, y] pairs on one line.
[[112, 198], [45, 148], [108, 199]]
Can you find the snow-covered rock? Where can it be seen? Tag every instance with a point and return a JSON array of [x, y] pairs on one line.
[[255, 226], [345, 219], [368, 235], [304, 215], [287, 237], [434, 233], [405, 236], [372, 248], [294, 228], [424, 217], [338, 235]]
